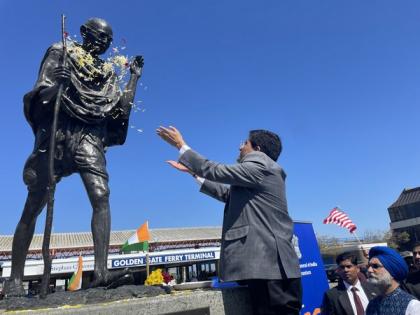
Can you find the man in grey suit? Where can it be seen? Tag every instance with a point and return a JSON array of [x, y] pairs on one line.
[[257, 229], [351, 296]]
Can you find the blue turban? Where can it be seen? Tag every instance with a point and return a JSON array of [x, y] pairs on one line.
[[392, 261]]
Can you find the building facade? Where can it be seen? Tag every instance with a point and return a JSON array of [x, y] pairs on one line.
[[188, 254], [404, 214]]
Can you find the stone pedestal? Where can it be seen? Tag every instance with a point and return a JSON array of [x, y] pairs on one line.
[[195, 302]]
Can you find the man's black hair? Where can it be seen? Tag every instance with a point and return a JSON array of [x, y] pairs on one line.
[[267, 141], [346, 256], [416, 244]]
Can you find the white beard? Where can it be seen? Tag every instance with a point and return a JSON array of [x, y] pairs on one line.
[[381, 282]]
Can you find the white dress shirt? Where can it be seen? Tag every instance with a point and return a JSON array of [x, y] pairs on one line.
[[413, 308], [360, 292], [183, 149]]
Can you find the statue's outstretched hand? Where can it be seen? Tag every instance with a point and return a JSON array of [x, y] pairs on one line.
[[136, 66], [178, 166]]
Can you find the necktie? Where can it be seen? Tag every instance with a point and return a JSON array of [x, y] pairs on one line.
[[357, 302]]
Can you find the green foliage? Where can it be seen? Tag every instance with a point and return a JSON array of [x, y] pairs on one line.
[[397, 240]]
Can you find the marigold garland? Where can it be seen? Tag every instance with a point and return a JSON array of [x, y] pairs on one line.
[[155, 278]]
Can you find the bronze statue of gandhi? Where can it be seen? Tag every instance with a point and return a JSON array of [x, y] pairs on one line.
[[94, 115]]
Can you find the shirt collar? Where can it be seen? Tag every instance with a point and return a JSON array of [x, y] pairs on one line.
[[251, 155], [358, 286]]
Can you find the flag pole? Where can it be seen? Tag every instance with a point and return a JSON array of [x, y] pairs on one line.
[[147, 253], [147, 264], [364, 251], [357, 238]]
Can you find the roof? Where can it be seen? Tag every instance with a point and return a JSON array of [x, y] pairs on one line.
[[408, 196], [84, 239]]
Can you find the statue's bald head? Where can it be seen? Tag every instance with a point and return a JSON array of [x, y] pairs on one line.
[[97, 34], [97, 25]]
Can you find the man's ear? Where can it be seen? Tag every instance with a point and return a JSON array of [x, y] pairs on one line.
[[258, 148]]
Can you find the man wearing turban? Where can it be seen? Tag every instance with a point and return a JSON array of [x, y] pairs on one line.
[[387, 269]]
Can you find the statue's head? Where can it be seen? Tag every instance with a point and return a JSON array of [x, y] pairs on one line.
[[97, 35]]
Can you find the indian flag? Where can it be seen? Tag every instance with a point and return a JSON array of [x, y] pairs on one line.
[[139, 241], [75, 282]]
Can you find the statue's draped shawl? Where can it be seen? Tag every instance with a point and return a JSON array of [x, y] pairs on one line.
[[92, 96]]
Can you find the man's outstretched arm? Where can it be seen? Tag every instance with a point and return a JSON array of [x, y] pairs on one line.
[[212, 189], [216, 190], [246, 174]]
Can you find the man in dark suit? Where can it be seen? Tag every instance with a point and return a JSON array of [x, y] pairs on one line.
[[412, 283], [351, 296], [257, 229]]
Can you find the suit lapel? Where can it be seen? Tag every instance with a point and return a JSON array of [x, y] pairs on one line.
[[370, 293], [344, 301]]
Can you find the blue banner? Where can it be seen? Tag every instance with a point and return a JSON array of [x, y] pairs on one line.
[[314, 279]]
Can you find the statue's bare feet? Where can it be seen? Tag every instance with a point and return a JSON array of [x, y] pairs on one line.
[[14, 288], [107, 278]]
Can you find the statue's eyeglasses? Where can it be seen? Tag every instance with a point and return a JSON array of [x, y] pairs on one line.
[[99, 34]]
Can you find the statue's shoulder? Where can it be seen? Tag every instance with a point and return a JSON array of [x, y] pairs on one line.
[[53, 52], [56, 46]]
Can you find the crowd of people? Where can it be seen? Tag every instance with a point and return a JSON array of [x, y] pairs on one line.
[[388, 284]]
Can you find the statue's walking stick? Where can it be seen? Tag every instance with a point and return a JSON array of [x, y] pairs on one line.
[[51, 180]]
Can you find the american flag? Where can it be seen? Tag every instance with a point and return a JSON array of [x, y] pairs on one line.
[[338, 217]]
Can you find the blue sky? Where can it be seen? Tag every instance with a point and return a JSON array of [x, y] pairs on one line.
[[338, 81]]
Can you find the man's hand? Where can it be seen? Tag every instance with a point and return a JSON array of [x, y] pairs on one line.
[[365, 252], [171, 135], [136, 66], [179, 166]]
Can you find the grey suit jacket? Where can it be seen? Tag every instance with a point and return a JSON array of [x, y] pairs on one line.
[[257, 230], [336, 300]]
